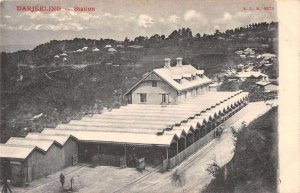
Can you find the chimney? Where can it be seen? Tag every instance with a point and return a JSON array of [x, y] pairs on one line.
[[167, 62], [179, 61]]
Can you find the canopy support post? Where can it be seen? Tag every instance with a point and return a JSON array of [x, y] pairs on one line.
[[125, 151], [167, 152]]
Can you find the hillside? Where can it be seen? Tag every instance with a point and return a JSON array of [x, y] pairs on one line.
[[255, 162], [63, 80]]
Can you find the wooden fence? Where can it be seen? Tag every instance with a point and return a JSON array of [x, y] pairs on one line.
[[176, 160]]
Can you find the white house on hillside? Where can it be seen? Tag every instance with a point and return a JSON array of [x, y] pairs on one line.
[[169, 85]]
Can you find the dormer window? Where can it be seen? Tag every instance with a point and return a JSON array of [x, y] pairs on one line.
[[200, 73], [154, 83], [177, 80]]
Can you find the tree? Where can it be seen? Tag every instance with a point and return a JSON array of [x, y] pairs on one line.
[[188, 33], [174, 35], [140, 40], [155, 38], [126, 41]]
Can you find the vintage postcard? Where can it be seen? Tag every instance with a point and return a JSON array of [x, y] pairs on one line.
[[149, 96]]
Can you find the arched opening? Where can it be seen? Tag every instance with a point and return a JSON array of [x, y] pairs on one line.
[[202, 131], [181, 144], [173, 149], [197, 134], [189, 139], [209, 126]]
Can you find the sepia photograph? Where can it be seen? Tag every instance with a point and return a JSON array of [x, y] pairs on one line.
[[144, 96]]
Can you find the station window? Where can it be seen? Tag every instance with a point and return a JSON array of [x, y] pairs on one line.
[[165, 98], [154, 83], [143, 97]]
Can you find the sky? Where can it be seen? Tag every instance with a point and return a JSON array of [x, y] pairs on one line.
[[118, 19]]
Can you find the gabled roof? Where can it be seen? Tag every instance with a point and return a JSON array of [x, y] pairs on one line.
[[268, 55], [150, 124], [170, 74], [115, 137], [15, 151], [263, 83], [61, 139], [8, 151], [142, 125], [43, 144], [184, 70], [251, 73], [112, 50]]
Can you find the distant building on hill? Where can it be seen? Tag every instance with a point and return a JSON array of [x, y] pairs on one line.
[[249, 75], [267, 86]]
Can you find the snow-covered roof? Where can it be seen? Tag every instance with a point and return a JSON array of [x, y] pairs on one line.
[[268, 64], [251, 73], [214, 84], [108, 137], [43, 144], [135, 46], [108, 46], [186, 75], [15, 151], [268, 55], [263, 83], [79, 50], [95, 50], [199, 72], [169, 74], [56, 56], [84, 48], [112, 50], [61, 139], [140, 124], [64, 54], [134, 124]]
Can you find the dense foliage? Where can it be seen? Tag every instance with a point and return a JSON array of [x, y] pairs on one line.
[[59, 83], [255, 93], [255, 162]]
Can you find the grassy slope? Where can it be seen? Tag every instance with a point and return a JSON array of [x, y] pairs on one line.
[[254, 165]]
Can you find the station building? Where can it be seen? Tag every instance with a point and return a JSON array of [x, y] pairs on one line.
[[170, 115]]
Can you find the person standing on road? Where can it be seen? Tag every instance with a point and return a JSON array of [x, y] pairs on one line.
[[72, 181], [62, 179], [5, 186]]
